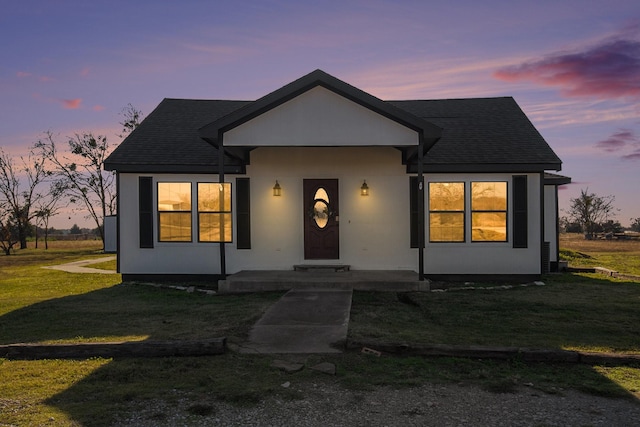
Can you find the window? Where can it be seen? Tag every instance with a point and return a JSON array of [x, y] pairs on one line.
[[174, 211], [488, 211], [214, 212], [446, 211]]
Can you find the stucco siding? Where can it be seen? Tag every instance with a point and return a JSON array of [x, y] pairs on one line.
[[491, 257], [374, 229], [320, 117]]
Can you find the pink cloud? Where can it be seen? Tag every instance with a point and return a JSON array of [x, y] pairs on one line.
[[618, 141], [85, 72], [98, 108], [608, 70], [71, 104], [22, 74], [623, 140]]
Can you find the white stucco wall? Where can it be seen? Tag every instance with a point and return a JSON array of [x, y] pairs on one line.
[[374, 230], [164, 257], [322, 118], [490, 257]]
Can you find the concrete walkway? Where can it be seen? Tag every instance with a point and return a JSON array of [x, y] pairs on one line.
[[80, 266], [303, 321]]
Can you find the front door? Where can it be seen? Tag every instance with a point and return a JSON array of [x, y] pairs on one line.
[[321, 237]]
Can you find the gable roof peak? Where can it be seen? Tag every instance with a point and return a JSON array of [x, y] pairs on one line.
[[307, 82]]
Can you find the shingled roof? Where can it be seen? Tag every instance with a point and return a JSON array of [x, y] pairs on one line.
[[167, 140], [482, 135], [478, 135]]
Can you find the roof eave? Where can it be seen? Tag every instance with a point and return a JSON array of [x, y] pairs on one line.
[[173, 168], [484, 167]]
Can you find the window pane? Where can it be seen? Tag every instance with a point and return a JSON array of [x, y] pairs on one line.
[[489, 196], [174, 196], [321, 194], [215, 227], [446, 227], [489, 226], [175, 227], [214, 197], [446, 196]]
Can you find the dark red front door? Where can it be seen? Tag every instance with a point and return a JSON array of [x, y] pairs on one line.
[[321, 237]]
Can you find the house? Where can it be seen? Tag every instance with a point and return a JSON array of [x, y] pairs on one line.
[[319, 172]]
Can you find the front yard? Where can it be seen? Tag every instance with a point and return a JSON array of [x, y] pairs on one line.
[[586, 312]]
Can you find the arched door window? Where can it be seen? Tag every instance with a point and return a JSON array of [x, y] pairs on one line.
[[320, 208]]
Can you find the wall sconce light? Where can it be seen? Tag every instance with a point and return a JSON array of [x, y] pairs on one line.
[[277, 190], [364, 190]]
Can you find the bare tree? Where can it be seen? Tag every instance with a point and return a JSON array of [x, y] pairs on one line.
[[49, 207], [18, 184], [591, 211], [80, 172], [8, 230], [131, 119]]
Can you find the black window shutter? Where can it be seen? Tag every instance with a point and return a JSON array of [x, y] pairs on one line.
[[145, 211], [520, 212], [243, 213], [414, 212]]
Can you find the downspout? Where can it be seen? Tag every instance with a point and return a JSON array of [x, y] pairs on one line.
[[118, 211], [223, 261], [421, 207], [541, 223], [557, 214]]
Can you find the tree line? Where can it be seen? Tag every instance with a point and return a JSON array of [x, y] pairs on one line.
[[36, 187], [591, 214], [51, 177]]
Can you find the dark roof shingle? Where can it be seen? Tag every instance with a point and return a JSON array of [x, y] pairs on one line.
[[485, 133], [167, 140], [479, 135]]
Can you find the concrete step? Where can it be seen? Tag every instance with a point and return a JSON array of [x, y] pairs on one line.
[[384, 281], [321, 267]]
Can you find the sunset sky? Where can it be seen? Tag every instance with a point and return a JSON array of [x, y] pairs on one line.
[[572, 65]]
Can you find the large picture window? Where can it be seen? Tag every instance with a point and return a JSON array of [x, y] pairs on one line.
[[488, 211], [214, 212], [446, 211], [174, 211]]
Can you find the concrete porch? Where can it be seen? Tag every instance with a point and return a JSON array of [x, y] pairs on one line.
[[366, 280]]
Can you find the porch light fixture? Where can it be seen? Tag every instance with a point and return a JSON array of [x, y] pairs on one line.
[[277, 190], [364, 190]]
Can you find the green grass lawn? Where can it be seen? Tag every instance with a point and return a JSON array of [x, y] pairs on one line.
[[593, 315], [619, 255], [40, 305]]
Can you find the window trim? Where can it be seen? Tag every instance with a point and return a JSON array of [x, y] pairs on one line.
[[463, 211], [160, 213], [505, 211], [200, 212]]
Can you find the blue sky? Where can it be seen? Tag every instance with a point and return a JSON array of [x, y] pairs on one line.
[[573, 66]]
